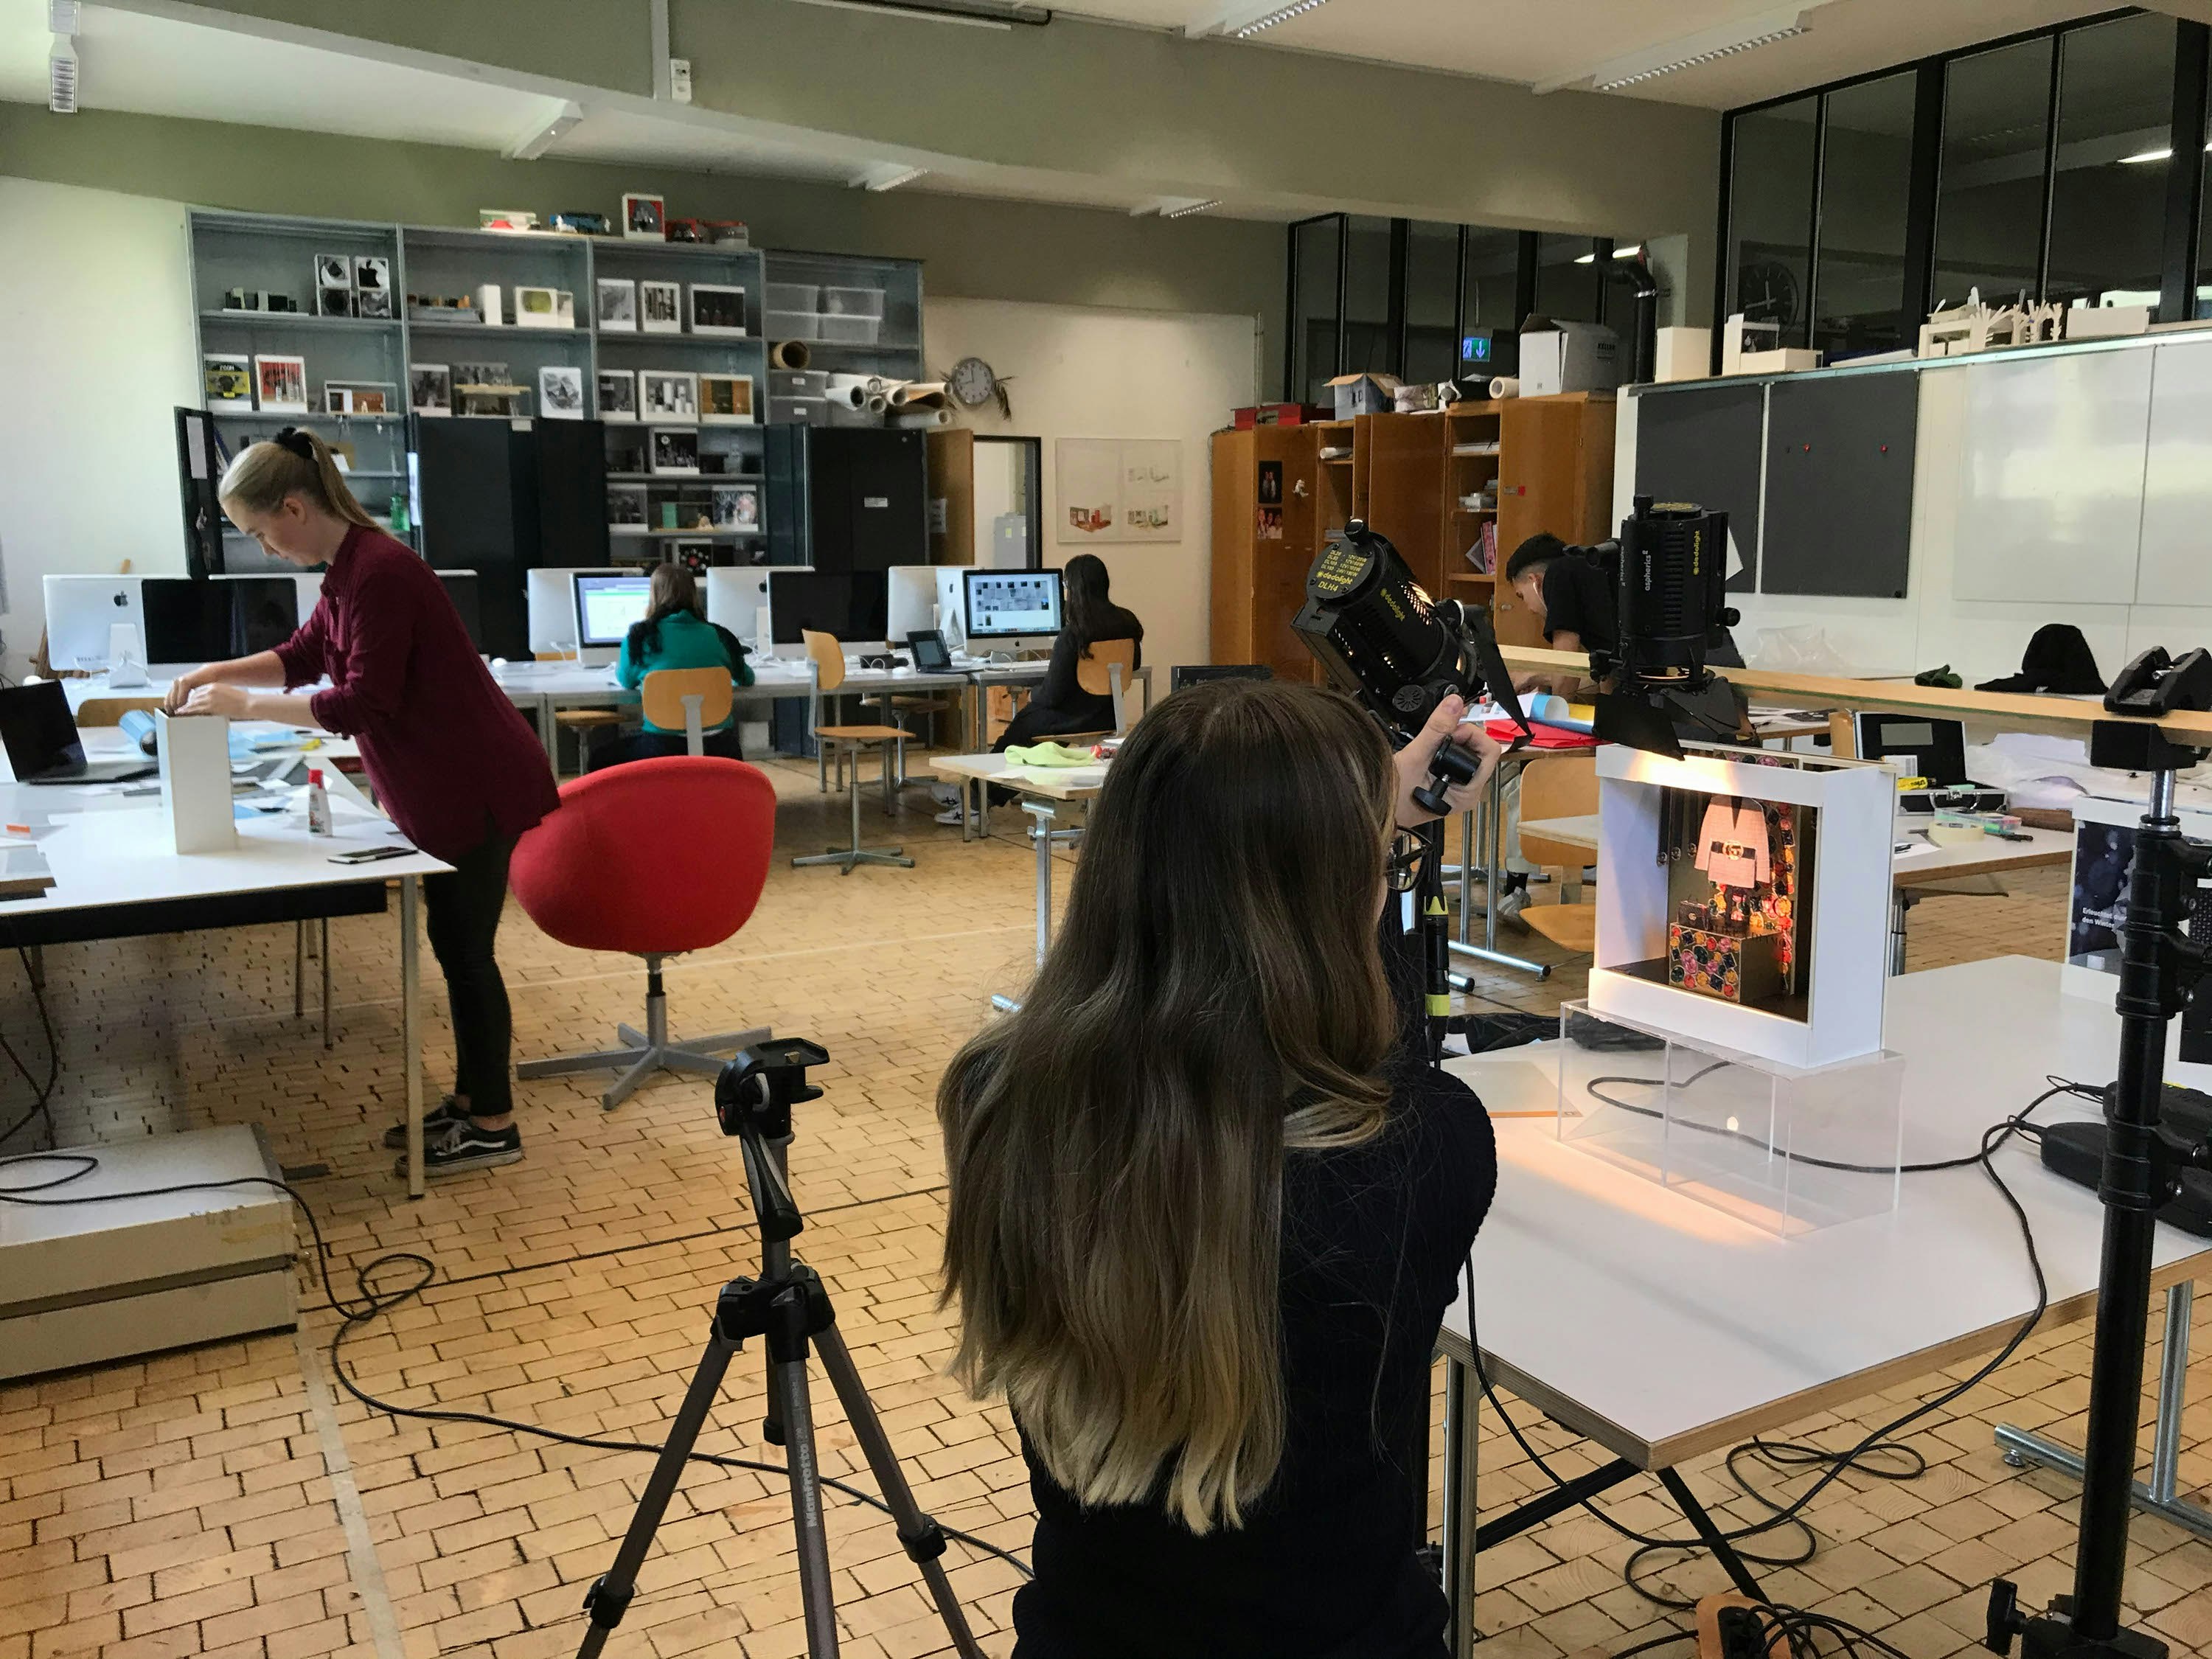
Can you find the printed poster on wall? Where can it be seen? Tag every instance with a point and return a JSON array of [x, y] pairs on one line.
[[1119, 490]]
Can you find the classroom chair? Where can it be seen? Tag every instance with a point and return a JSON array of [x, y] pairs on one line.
[[826, 658], [581, 721], [1106, 671], [693, 698], [1561, 786], [655, 857]]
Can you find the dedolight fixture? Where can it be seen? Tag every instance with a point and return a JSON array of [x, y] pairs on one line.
[[1280, 15]]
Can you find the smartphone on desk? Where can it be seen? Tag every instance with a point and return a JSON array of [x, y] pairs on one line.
[[370, 855]]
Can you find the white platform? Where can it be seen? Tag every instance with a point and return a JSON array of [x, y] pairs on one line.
[[84, 1284]]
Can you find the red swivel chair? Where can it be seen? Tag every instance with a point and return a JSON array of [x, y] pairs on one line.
[[655, 857]]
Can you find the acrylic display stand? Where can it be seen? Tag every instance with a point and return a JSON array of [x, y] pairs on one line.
[[1785, 1149]]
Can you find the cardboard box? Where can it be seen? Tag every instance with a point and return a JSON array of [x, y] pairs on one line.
[[196, 794], [1363, 394], [1788, 361], [1684, 354], [2104, 322], [1569, 357]]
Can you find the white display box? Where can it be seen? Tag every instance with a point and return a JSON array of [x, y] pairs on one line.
[[1787, 1149], [196, 794], [2097, 901], [1683, 354], [1837, 1011]]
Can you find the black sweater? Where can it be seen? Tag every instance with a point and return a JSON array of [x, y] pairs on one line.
[[1374, 1239]]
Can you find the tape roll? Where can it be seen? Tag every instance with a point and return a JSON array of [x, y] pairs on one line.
[[1504, 387], [789, 353]]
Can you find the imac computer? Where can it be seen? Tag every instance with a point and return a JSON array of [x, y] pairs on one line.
[[736, 597], [849, 604], [462, 588], [213, 619], [1009, 610], [80, 613], [609, 604]]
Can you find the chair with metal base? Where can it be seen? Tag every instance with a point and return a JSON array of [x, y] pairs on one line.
[[826, 662], [655, 857], [692, 698]]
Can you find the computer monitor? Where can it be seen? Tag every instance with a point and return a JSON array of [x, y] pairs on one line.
[[37, 728], [461, 587], [913, 600], [80, 612], [609, 603], [1011, 605], [1930, 748], [736, 596], [850, 606], [263, 612], [216, 618]]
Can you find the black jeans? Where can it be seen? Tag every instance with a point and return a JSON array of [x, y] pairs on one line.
[[464, 910], [614, 749]]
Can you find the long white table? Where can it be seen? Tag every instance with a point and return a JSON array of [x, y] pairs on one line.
[[116, 876], [1661, 1329]]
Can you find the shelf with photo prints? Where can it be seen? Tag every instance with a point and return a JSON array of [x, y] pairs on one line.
[[617, 394], [673, 450], [668, 396], [561, 392]]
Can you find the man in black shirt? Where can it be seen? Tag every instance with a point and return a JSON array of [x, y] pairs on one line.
[[1571, 596]]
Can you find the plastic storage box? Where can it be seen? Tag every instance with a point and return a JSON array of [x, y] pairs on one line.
[[793, 297], [853, 302], [849, 330]]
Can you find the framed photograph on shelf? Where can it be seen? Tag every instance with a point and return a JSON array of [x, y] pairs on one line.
[[333, 285], [617, 394], [372, 286], [561, 392], [617, 306], [659, 307], [360, 398], [228, 378], [280, 384], [645, 218], [726, 399], [737, 507], [626, 509], [697, 557], [675, 452], [663, 395], [430, 388], [717, 310], [540, 308]]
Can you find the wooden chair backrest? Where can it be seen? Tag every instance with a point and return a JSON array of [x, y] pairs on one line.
[[1093, 673], [664, 689], [1558, 786], [555, 656], [828, 657], [110, 711]]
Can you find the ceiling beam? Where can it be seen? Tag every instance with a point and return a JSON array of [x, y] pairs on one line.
[[561, 115]]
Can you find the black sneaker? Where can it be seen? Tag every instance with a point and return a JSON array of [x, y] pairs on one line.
[[462, 1146], [447, 1110]]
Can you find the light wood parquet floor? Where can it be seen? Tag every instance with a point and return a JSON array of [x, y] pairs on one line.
[[193, 1503]]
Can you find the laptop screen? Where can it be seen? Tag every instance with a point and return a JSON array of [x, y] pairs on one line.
[[928, 648], [37, 728]]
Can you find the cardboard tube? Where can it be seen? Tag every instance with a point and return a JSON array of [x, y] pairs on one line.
[[922, 417], [1504, 387], [789, 353], [850, 390], [877, 404], [929, 393]]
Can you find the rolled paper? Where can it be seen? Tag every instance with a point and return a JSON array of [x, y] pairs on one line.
[[922, 417], [789, 353], [1504, 387], [877, 404], [917, 392]]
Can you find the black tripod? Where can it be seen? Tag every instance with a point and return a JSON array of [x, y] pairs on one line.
[[789, 1306], [2159, 966]]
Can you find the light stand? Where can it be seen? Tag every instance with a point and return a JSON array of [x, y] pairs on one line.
[[789, 1306], [2159, 967]]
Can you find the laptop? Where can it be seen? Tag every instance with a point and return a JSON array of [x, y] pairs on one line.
[[39, 734]]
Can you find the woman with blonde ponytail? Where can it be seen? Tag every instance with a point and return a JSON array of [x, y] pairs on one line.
[[458, 769], [1205, 1213]]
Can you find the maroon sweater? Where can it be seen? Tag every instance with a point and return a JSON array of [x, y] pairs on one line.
[[451, 759]]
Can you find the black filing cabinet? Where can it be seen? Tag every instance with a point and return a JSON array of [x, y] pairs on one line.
[[846, 498]]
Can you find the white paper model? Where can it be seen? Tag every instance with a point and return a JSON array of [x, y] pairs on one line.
[[659, 307], [372, 285], [617, 394], [228, 376], [664, 396], [430, 388], [360, 398], [617, 305], [717, 310], [333, 285], [538, 307], [280, 385], [676, 450], [561, 392], [725, 399]]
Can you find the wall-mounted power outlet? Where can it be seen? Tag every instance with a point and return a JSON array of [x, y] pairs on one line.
[[679, 79]]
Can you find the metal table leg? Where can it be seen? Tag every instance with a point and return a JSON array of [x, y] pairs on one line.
[[1041, 832], [1493, 807], [410, 1027], [2022, 1449], [1900, 908], [1461, 1434], [323, 948]]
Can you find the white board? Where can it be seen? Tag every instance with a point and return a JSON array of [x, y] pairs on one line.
[[2175, 566], [2050, 478]]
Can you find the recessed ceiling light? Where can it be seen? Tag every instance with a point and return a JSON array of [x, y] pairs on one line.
[[1280, 15]]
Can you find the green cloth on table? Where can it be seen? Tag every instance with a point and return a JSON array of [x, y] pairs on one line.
[[1049, 755]]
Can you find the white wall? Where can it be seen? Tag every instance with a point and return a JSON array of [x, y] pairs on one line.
[[1980, 639], [96, 331], [1087, 372]]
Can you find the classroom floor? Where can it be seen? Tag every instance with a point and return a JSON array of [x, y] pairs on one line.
[[229, 1500]]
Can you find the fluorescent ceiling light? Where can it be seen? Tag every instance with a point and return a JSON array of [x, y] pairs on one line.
[[1686, 51], [2153, 156], [974, 13], [1245, 18], [1187, 209], [887, 175], [548, 132], [62, 75], [1628, 253], [1280, 15]]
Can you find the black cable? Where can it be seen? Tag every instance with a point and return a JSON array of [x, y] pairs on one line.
[[42, 1105], [371, 1301], [1656, 1643], [1878, 1440]]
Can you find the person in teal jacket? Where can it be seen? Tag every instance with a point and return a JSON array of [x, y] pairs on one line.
[[676, 633]]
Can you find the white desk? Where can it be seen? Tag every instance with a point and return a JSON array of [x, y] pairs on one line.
[[1662, 1329], [116, 876]]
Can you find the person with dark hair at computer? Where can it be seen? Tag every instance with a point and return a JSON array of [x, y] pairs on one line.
[[460, 771], [675, 634], [1088, 616]]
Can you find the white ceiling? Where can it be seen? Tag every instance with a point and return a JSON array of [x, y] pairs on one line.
[[1536, 42]]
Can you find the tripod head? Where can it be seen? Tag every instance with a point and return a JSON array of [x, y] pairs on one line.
[[753, 1097]]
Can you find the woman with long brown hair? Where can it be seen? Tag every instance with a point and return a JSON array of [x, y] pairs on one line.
[[1206, 1213], [458, 769]]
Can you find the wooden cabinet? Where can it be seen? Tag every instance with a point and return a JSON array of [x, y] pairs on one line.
[[1269, 499], [1555, 473]]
